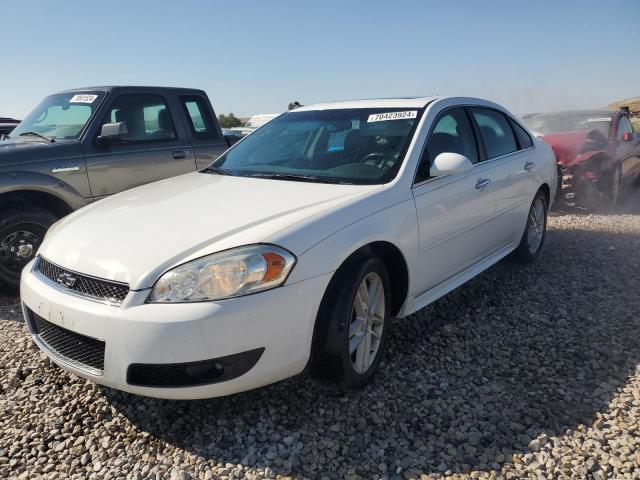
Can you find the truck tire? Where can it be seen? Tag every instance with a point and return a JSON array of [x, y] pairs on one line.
[[22, 229]]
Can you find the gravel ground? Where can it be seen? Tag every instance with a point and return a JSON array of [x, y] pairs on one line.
[[525, 372]]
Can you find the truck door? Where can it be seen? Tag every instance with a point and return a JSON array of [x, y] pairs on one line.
[[154, 148], [202, 128]]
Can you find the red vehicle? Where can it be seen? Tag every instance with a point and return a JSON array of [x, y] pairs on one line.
[[597, 151]]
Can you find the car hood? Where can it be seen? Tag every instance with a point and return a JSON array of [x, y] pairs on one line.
[[21, 151], [570, 147], [137, 235]]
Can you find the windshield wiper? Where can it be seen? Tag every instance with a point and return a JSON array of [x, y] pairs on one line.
[[36, 134], [298, 177], [213, 169]]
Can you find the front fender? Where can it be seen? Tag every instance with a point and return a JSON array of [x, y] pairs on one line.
[[17, 181], [396, 224]]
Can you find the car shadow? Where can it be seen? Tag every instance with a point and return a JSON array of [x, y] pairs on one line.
[[518, 352]]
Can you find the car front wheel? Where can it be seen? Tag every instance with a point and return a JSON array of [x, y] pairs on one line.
[[353, 325]]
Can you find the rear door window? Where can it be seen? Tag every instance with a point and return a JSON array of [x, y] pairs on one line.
[[198, 117], [496, 132], [524, 139]]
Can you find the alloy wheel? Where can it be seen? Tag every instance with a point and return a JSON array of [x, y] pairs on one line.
[[535, 225], [367, 322]]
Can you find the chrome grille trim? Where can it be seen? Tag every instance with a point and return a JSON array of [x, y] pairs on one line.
[[85, 286]]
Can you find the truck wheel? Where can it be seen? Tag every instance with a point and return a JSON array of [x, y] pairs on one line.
[[534, 233], [353, 325], [22, 230]]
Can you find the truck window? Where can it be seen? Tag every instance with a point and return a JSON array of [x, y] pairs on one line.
[[197, 113], [147, 117]]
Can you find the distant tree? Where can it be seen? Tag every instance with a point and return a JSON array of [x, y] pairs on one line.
[[229, 121]]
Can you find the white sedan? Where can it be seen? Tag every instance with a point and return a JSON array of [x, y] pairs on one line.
[[293, 249]]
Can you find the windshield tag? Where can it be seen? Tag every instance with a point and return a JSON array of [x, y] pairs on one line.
[[381, 117], [83, 98]]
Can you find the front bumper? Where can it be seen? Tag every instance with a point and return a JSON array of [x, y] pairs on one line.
[[576, 182], [277, 323]]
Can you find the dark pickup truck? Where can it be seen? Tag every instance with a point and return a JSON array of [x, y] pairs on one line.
[[80, 145]]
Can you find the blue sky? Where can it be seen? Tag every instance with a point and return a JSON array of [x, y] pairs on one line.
[[254, 57]]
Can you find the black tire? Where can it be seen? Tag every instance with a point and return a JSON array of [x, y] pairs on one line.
[[525, 253], [559, 198], [22, 229], [614, 185], [331, 358]]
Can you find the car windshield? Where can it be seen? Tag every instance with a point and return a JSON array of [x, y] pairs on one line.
[[545, 124], [59, 117], [358, 146]]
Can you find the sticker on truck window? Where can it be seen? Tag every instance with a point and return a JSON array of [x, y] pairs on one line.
[[83, 98], [381, 117]]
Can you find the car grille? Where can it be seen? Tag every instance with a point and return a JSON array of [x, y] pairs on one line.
[[85, 285], [80, 351]]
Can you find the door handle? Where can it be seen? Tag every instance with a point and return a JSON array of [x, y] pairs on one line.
[[482, 183], [529, 165], [178, 154]]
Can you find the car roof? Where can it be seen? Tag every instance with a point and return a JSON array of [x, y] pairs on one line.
[[400, 102], [111, 88]]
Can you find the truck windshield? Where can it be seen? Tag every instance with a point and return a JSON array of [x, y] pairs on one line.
[[357, 146], [59, 117]]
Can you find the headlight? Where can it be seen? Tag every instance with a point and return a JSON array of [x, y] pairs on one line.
[[227, 274]]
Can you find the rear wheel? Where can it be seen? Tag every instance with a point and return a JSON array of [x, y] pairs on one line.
[[353, 323], [22, 230], [535, 231]]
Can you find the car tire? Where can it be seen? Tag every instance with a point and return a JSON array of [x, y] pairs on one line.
[[559, 197], [534, 232], [22, 230], [614, 192], [350, 329]]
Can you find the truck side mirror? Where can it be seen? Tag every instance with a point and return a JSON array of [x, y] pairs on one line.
[[112, 133]]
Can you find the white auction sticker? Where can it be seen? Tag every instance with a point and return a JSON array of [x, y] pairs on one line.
[[381, 117], [83, 98]]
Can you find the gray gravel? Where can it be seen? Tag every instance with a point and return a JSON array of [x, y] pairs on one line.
[[526, 372]]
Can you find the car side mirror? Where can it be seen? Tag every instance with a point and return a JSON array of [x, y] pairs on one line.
[[449, 163], [112, 133], [626, 137]]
